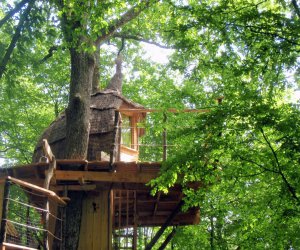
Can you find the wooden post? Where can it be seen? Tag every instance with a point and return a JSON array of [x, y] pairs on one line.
[[119, 134], [127, 215], [28, 223], [164, 226], [113, 150], [4, 211], [164, 141], [135, 222], [168, 239], [52, 163], [110, 217], [119, 217], [156, 203], [47, 225], [49, 174]]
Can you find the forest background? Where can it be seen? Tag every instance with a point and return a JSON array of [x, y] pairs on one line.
[[245, 151]]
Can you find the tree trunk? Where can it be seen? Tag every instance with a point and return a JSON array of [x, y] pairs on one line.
[[212, 233], [78, 111], [73, 220], [77, 134], [96, 74]]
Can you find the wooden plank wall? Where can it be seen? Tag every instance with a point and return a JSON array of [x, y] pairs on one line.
[[96, 222]]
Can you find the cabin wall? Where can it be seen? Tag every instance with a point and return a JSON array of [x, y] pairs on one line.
[[100, 143], [97, 143], [101, 136]]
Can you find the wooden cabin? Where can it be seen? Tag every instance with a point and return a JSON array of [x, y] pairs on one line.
[[112, 133]]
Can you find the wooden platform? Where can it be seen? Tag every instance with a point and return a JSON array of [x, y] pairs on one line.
[[127, 180]]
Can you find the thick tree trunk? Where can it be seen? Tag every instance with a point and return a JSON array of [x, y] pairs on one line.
[[78, 111], [77, 134], [73, 221]]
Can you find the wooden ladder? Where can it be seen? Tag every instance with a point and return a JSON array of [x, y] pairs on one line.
[[125, 237]]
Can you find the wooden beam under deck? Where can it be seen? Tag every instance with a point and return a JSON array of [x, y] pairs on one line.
[[95, 176], [119, 176]]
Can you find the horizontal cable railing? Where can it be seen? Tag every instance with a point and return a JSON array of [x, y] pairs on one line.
[[25, 219]]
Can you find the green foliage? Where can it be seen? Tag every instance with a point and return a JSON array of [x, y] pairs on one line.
[[244, 152]]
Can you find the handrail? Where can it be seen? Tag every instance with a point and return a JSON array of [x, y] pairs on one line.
[[50, 194]]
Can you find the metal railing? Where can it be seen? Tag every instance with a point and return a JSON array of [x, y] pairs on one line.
[[26, 223]]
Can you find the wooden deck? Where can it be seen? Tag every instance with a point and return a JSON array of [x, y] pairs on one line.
[[127, 180]]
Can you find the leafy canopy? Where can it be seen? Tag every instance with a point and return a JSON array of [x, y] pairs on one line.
[[244, 152]]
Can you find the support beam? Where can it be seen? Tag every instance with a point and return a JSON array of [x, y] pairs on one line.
[[156, 204], [119, 176], [164, 140], [52, 163], [164, 226], [135, 234], [47, 150], [85, 187], [50, 194], [168, 239]]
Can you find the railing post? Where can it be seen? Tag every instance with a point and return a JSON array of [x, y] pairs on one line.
[[164, 140], [47, 224], [4, 211], [113, 150]]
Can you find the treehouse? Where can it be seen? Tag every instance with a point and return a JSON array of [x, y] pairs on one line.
[[111, 181]]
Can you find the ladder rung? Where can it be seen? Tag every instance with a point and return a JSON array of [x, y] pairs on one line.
[[123, 235]]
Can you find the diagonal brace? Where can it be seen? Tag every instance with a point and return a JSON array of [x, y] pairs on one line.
[[164, 226]]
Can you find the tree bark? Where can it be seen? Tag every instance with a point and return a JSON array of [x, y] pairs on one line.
[[73, 220], [96, 74], [12, 12], [78, 111], [77, 134]]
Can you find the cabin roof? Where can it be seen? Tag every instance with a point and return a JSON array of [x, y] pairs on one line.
[[111, 99], [103, 106]]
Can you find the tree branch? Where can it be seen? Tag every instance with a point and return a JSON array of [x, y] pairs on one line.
[[257, 164], [252, 175], [6, 149], [259, 30], [140, 39], [124, 19], [15, 38], [296, 7], [291, 189], [17, 8], [50, 53], [272, 149]]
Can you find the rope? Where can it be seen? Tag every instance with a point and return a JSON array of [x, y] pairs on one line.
[[26, 205]]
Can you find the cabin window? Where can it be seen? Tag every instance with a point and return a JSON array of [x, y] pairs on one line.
[[126, 134]]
